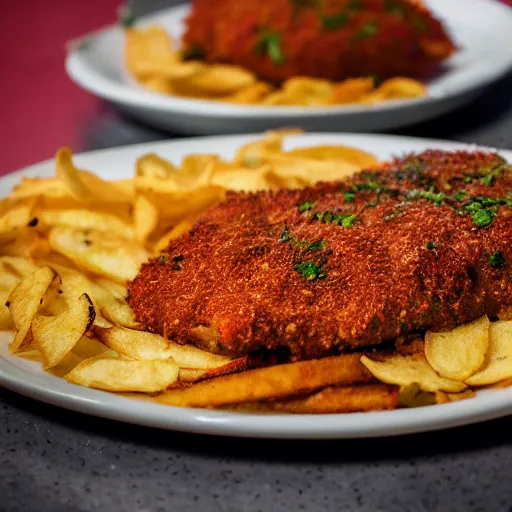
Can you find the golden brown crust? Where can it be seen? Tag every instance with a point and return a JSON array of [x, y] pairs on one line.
[[411, 260]]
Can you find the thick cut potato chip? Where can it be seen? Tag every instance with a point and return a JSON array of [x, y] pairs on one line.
[[255, 153], [16, 219], [143, 346], [444, 398], [337, 400], [458, 354], [413, 396], [336, 153], [86, 186], [27, 244], [272, 382], [498, 362], [114, 308], [351, 91], [84, 219], [153, 166], [55, 336], [178, 230], [148, 346], [24, 302], [249, 95], [145, 218], [113, 374], [87, 347], [407, 370], [149, 53], [216, 80], [108, 255], [395, 89]]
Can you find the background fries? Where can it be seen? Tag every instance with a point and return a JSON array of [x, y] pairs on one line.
[[69, 244], [151, 58]]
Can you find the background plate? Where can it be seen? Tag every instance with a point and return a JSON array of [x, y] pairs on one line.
[[28, 378], [482, 58]]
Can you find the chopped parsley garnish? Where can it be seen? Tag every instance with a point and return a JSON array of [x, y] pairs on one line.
[[310, 270], [285, 235], [497, 260], [342, 219], [429, 195], [340, 19], [468, 179], [487, 180], [304, 207], [349, 197], [270, 43], [366, 31], [334, 21], [431, 245], [482, 218], [460, 196], [315, 246], [303, 245], [491, 173]]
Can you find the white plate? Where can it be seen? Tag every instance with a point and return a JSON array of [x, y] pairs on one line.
[[482, 29], [27, 377]]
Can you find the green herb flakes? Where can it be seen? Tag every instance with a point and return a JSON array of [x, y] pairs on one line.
[[304, 207], [497, 260], [310, 270]]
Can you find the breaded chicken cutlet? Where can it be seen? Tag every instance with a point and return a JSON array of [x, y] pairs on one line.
[[423, 242], [332, 39]]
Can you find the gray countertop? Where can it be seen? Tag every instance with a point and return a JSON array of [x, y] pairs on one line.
[[55, 460]]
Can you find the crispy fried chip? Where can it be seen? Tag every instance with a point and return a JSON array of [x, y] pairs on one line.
[[407, 370], [108, 255], [145, 218], [86, 186], [271, 382], [84, 219], [149, 52], [148, 346], [498, 364], [108, 298], [335, 400], [55, 336], [24, 302], [113, 374], [458, 354]]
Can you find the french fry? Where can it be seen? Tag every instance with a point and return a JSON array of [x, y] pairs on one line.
[[145, 218], [24, 302], [16, 219], [86, 186], [55, 336], [111, 256], [337, 400], [147, 346], [407, 370], [498, 364], [271, 382], [114, 374], [458, 354], [84, 219]]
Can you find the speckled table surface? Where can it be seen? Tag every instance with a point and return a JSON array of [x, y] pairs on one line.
[[55, 460]]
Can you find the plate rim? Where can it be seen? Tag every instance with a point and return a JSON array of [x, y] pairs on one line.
[[89, 78], [496, 403]]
